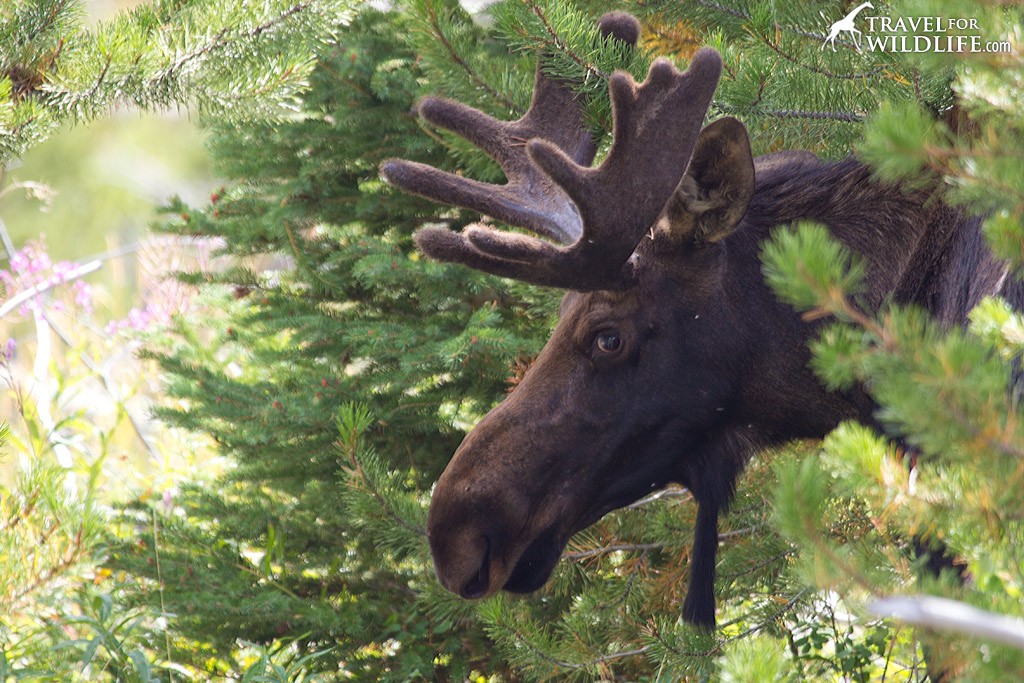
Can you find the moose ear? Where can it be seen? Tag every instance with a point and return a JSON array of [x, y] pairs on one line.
[[714, 194]]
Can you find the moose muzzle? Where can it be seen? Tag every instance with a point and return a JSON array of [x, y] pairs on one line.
[[499, 517]]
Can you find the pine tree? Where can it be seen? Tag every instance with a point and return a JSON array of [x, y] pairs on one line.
[[338, 370]]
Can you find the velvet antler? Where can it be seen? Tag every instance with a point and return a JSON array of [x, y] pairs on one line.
[[598, 215]]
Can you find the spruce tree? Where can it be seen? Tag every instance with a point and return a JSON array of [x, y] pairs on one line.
[[339, 370], [343, 368], [947, 468]]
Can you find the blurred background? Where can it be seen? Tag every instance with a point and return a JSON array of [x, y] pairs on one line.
[[88, 195], [102, 181]]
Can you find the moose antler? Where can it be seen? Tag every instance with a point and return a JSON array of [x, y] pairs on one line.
[[598, 215]]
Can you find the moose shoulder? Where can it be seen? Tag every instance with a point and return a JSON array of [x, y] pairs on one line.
[[672, 361]]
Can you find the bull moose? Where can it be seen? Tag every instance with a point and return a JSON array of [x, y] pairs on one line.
[[672, 361]]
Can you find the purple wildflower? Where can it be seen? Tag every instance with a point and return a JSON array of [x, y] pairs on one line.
[[140, 319], [20, 261], [61, 269], [168, 500], [31, 268], [83, 296]]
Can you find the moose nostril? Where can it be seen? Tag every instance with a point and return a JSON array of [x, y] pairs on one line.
[[477, 586]]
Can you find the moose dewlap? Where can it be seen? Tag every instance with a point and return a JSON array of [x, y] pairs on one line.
[[672, 361]]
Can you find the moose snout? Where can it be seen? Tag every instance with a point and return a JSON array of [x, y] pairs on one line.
[[490, 506], [465, 530], [483, 541], [462, 562], [478, 528], [473, 527]]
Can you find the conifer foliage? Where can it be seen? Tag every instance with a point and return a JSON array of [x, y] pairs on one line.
[[338, 371], [339, 375], [235, 58]]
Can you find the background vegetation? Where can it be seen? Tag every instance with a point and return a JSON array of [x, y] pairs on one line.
[[312, 375]]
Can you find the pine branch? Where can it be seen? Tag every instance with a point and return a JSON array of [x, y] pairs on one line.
[[40, 577], [559, 44], [618, 547], [125, 62], [456, 58], [818, 38], [774, 47], [222, 39]]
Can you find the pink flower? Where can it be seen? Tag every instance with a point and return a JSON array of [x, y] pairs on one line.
[[20, 261], [140, 319], [83, 296], [40, 261], [31, 267], [61, 270]]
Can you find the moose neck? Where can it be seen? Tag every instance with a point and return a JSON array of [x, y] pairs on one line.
[[917, 251]]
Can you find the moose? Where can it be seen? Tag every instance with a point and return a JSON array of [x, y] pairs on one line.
[[672, 361]]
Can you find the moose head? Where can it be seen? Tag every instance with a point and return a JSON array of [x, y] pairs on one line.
[[630, 393]]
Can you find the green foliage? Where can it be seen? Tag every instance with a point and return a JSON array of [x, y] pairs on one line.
[[901, 134], [235, 58], [266, 670], [947, 394], [790, 92], [45, 532], [975, 146], [576, 51], [316, 535], [62, 616], [755, 659], [805, 266]]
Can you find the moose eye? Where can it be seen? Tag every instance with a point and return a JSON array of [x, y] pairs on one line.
[[608, 342]]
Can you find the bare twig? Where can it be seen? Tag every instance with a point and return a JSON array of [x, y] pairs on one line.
[[85, 268], [665, 493], [45, 286], [847, 116], [621, 547], [951, 615]]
